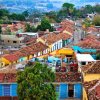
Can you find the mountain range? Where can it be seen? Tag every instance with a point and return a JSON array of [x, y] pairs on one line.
[[42, 5]]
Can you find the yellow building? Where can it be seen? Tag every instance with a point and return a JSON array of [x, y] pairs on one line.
[[8, 59], [90, 73], [4, 62]]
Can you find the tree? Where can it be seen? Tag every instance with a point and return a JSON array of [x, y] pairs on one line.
[[88, 9], [96, 20], [87, 23], [33, 83], [45, 25], [19, 17], [98, 56], [69, 8], [3, 13], [25, 13], [30, 28], [97, 8]]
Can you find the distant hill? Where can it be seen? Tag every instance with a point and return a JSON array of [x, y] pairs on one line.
[[43, 5]]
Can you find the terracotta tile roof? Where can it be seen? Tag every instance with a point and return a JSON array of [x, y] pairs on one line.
[[14, 27], [67, 25], [92, 29], [31, 41], [93, 89], [63, 36], [50, 38], [90, 42], [18, 53], [38, 47], [93, 68], [67, 22], [68, 77], [11, 57], [41, 33], [7, 77], [26, 51]]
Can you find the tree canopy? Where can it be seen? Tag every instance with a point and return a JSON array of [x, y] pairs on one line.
[[45, 24], [32, 83], [29, 28], [96, 20], [68, 7]]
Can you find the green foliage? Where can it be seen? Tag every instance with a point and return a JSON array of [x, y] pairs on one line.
[[88, 9], [45, 24], [30, 28], [97, 8], [25, 13], [98, 56], [5, 16], [15, 16], [32, 83], [68, 7], [87, 23], [3, 13], [96, 20]]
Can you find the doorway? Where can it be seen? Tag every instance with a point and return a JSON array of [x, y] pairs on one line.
[[71, 90]]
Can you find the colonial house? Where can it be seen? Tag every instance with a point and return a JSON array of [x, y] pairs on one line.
[[8, 85], [24, 54], [68, 85], [90, 42], [55, 41], [12, 41], [15, 27], [91, 77], [51, 40]]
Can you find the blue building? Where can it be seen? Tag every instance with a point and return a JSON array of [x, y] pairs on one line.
[[8, 86], [69, 91]]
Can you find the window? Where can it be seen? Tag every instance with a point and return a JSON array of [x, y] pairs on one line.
[[71, 90], [6, 90], [14, 41], [83, 63], [57, 46]]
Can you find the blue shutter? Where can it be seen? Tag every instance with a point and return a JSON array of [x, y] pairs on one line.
[[63, 91], [78, 90], [1, 90], [6, 88], [13, 89]]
